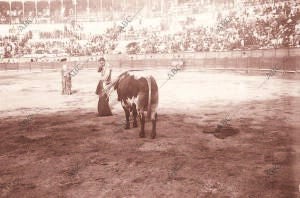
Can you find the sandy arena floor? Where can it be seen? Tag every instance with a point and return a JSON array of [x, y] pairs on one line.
[[55, 146]]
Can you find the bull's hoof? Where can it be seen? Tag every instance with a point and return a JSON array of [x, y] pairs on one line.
[[153, 135], [127, 126], [135, 124], [142, 135]]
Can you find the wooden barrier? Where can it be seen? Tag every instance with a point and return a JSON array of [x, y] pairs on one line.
[[285, 59]]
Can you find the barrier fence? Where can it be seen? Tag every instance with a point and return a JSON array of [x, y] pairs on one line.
[[287, 60]]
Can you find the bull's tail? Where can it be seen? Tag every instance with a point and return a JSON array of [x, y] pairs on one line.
[[149, 79]]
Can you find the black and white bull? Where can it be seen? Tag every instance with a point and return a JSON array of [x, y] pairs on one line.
[[138, 94]]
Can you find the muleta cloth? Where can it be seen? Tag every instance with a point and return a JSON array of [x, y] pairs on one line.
[[103, 102]]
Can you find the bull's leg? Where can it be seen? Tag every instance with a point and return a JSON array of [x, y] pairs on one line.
[[127, 114], [153, 119], [142, 119], [134, 113]]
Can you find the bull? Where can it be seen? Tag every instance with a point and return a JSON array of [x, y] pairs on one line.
[[137, 94]]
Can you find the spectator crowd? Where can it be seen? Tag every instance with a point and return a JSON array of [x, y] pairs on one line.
[[251, 27]]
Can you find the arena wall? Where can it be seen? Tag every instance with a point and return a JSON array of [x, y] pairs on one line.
[[287, 60]]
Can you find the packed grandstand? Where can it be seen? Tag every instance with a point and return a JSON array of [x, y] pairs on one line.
[[160, 27]]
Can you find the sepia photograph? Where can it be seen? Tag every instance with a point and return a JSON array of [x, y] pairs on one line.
[[150, 98]]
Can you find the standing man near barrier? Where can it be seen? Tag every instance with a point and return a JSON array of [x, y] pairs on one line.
[[66, 79], [105, 79]]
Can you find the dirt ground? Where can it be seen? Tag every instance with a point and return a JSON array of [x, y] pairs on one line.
[[56, 146]]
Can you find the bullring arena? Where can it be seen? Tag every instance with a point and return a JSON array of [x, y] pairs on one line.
[[65, 150], [228, 119]]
